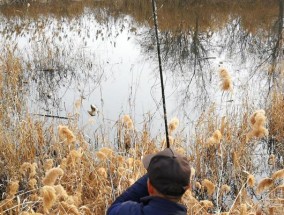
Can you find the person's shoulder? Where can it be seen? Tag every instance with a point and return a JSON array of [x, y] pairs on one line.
[[128, 207]]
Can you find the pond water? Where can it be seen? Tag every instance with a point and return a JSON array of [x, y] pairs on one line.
[[104, 53]]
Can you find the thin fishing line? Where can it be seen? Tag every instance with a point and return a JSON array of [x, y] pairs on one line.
[[154, 8]]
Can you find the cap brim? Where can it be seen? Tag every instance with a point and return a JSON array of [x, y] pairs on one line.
[[166, 152], [147, 159]]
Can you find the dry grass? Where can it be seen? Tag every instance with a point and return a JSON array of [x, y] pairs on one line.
[[50, 169]]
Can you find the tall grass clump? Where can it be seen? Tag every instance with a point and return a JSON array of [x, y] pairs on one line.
[[52, 169]]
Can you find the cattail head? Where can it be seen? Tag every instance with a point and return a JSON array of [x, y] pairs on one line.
[[217, 136], [215, 139], [74, 156], [209, 186], [206, 204], [257, 121], [107, 151], [48, 195], [32, 183], [271, 160], [198, 185], [251, 180], [127, 122], [258, 117], [264, 184], [226, 81], [60, 192], [278, 174], [225, 189], [48, 164], [51, 176], [66, 134], [13, 188], [24, 167], [174, 123], [66, 208], [102, 172]]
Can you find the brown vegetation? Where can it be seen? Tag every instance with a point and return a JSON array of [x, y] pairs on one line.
[[50, 169]]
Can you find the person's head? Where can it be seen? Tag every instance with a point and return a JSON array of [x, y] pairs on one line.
[[169, 174]]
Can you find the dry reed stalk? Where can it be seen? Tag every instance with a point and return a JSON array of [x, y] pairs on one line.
[[243, 209], [51, 176]]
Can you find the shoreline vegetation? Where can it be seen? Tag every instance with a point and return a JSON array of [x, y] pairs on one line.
[[51, 169], [47, 167]]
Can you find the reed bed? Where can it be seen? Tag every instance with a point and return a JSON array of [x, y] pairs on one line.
[[51, 169]]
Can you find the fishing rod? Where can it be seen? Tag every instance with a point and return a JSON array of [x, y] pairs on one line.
[[154, 8]]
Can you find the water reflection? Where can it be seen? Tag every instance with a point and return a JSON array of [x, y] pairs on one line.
[[104, 53]]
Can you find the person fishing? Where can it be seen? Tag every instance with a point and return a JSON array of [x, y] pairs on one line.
[[159, 191], [168, 174]]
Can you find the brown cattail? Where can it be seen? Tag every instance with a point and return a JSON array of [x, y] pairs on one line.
[[66, 134], [127, 122], [49, 197], [278, 174], [48, 164], [264, 184], [107, 151], [217, 136], [226, 81], [32, 183], [33, 168], [100, 155], [61, 192], [174, 123], [66, 208], [13, 188], [102, 172], [257, 121], [251, 180], [51, 176], [24, 167], [209, 186], [225, 189], [206, 204], [271, 160], [198, 185]]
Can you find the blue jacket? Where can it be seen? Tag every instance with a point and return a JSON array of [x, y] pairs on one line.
[[136, 201]]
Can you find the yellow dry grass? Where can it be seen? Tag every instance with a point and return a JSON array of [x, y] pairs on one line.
[[51, 169]]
